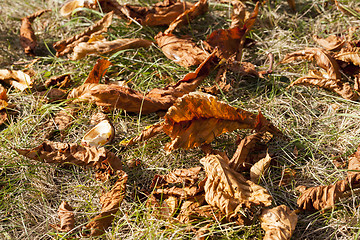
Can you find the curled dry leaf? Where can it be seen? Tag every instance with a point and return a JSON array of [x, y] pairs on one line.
[[182, 51], [65, 153], [103, 46], [99, 135], [163, 208], [351, 55], [53, 94], [18, 79], [66, 46], [63, 119], [331, 43], [3, 98], [114, 96], [321, 79], [279, 223], [110, 202], [238, 14], [27, 35], [62, 81], [66, 215], [199, 8], [98, 71], [185, 176], [70, 6], [162, 13], [229, 190], [258, 169]]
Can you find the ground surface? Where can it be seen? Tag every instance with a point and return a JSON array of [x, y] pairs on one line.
[[319, 124]]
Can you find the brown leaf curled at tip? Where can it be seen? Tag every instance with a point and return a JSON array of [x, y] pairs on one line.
[[258, 169], [103, 46], [197, 9], [65, 153], [66, 46], [110, 202], [27, 35], [279, 223], [182, 51], [99, 70], [66, 215], [18, 79], [229, 190], [331, 43], [351, 55]]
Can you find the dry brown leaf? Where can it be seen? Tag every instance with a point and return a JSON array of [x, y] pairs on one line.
[[321, 79], [98, 117], [63, 119], [331, 43], [114, 96], [322, 59], [65, 153], [3, 98], [229, 190], [188, 206], [279, 223], [258, 169], [238, 14], [199, 8], [3, 117], [70, 6], [292, 4], [66, 46], [103, 46], [197, 118], [287, 176], [349, 55], [61, 81], [182, 51], [354, 163], [110, 202], [99, 70], [147, 133], [185, 176], [18, 79], [66, 215], [27, 35], [53, 94], [163, 208]]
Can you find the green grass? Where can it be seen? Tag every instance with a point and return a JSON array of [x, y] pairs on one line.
[[318, 123]]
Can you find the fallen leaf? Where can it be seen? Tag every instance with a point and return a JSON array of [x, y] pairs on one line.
[[349, 55], [52, 95], [163, 208], [229, 190], [66, 215], [65, 153], [184, 176], [70, 6], [66, 46], [18, 79], [188, 207], [238, 14], [321, 79], [331, 43], [27, 35], [3, 98], [292, 5], [182, 51], [279, 223], [258, 169], [114, 96], [103, 46], [63, 119], [110, 202], [3, 116], [98, 117], [99, 70], [197, 9], [287, 176], [61, 81]]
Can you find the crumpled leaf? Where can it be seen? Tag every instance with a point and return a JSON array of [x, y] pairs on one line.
[[27, 35], [53, 94], [71, 153], [229, 190], [66, 215], [61, 81], [279, 223], [62, 120], [197, 118], [188, 207], [163, 208], [110, 202], [70, 6], [258, 169], [185, 176], [231, 41], [3, 98], [321, 57], [326, 196], [66, 46], [182, 51], [238, 14], [321, 79], [99, 70], [103, 46], [197, 9], [162, 13], [114, 96], [331, 43], [351, 55], [18, 79]]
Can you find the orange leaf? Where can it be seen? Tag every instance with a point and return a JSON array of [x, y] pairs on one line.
[[98, 71], [66, 215], [331, 43]]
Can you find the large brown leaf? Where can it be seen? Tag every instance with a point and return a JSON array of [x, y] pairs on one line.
[[27, 35], [66, 46], [331, 43], [321, 57], [198, 9], [229, 190], [66, 215], [114, 96], [103, 46], [279, 223], [320, 79], [16, 78], [65, 153], [182, 51], [110, 202]]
